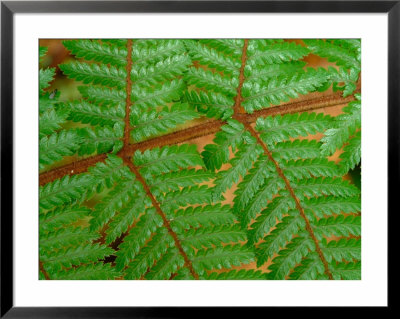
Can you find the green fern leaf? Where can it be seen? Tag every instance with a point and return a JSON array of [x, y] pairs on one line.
[[155, 123], [96, 51], [309, 269], [97, 271], [221, 257], [278, 237], [280, 128], [168, 158], [346, 249], [338, 226], [275, 90], [87, 113], [290, 256]]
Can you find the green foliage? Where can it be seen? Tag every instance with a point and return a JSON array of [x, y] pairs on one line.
[[346, 53], [287, 180], [160, 213]]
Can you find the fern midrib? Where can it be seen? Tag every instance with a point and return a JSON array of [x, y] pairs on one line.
[[238, 97], [203, 129], [128, 95], [167, 224], [293, 195], [44, 272], [135, 170], [267, 152]]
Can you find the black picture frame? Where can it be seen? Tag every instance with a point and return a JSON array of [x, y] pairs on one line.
[[9, 8]]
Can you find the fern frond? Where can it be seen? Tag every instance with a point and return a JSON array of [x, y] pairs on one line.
[[292, 150], [150, 97], [176, 180], [66, 190], [231, 136], [343, 249], [98, 271], [74, 256], [51, 121], [275, 90], [66, 237], [160, 213], [117, 199], [241, 163], [213, 105], [283, 233], [252, 182], [60, 217], [45, 77], [212, 58], [187, 195], [221, 257], [325, 186], [227, 46], [255, 74], [212, 81], [167, 158], [137, 237], [260, 199], [155, 123], [169, 263], [344, 126], [103, 96], [346, 271], [167, 69], [156, 247], [58, 145], [100, 140], [280, 128], [309, 269], [321, 206], [290, 256], [337, 52], [280, 52], [194, 217], [263, 224], [241, 274], [96, 51], [87, 113], [309, 167], [351, 155], [339, 226], [209, 237], [347, 55], [108, 173]]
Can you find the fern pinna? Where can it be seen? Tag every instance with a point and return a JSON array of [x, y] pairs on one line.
[[126, 211]]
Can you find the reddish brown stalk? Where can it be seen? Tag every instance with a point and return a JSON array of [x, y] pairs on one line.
[[73, 168], [200, 130], [44, 272], [246, 122], [128, 93], [238, 98], [126, 156], [293, 195], [156, 205]]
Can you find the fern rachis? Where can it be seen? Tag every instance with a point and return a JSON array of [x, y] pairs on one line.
[[158, 212]]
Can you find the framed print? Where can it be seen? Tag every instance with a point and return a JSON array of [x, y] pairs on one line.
[[164, 155]]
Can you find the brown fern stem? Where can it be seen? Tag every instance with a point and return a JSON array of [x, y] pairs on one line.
[[156, 205], [238, 98], [126, 153], [44, 272], [203, 129], [293, 195], [128, 92], [243, 118]]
